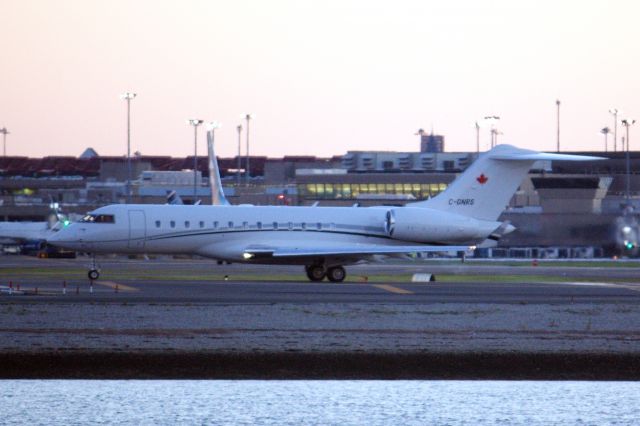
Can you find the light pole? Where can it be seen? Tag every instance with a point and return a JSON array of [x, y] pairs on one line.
[[605, 131], [615, 112], [128, 96], [493, 132], [4, 132], [248, 117], [195, 123], [628, 123], [239, 129], [558, 125]]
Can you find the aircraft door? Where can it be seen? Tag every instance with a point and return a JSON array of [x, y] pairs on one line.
[[137, 229]]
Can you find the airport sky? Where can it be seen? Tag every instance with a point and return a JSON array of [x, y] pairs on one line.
[[320, 77]]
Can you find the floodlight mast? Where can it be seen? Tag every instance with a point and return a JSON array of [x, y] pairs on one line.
[[195, 122], [615, 112], [4, 132], [248, 117], [128, 96], [493, 132], [605, 131], [558, 125], [628, 123], [239, 129]]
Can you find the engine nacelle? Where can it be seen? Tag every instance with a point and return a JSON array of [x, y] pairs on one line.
[[422, 225], [33, 245]]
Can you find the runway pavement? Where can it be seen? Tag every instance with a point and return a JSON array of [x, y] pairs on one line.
[[196, 308], [203, 281]]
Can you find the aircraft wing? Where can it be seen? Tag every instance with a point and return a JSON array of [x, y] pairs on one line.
[[357, 250]]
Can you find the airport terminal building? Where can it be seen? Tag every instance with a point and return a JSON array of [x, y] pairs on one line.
[[564, 209]]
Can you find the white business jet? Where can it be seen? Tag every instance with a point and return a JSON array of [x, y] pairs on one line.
[[323, 239]]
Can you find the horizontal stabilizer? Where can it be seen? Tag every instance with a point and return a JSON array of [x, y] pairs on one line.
[[541, 156]]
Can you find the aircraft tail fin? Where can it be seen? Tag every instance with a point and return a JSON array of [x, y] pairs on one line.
[[56, 218], [217, 194], [173, 198], [485, 188]]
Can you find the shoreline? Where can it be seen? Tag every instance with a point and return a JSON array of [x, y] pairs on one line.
[[318, 365]]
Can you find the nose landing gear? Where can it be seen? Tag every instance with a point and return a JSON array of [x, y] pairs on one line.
[[94, 270]]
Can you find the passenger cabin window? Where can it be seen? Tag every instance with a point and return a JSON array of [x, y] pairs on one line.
[[275, 225], [319, 226], [99, 218], [259, 225], [245, 225], [172, 223], [187, 224], [290, 226], [230, 224], [304, 226], [157, 224], [215, 224], [202, 224]]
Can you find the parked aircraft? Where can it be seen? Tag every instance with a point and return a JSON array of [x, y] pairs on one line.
[[323, 239], [217, 194], [215, 183], [32, 235]]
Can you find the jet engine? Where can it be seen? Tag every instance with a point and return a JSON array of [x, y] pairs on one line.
[[422, 225]]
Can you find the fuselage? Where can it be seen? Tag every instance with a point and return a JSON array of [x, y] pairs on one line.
[[222, 232], [24, 231]]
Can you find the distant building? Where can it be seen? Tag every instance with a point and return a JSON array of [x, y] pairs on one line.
[[430, 142], [394, 162]]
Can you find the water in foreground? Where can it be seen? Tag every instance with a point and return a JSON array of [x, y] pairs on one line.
[[81, 402]]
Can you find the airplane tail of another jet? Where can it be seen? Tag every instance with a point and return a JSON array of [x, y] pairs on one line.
[[56, 218], [217, 194], [485, 188], [173, 198]]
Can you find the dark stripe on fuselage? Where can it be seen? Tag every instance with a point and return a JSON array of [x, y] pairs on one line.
[[233, 231]]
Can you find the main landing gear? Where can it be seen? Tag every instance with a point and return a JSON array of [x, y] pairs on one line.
[[94, 270], [334, 274]]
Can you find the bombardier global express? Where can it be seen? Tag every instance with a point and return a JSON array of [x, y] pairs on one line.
[[323, 239]]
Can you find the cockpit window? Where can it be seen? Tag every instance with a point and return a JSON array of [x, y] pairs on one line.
[[99, 218]]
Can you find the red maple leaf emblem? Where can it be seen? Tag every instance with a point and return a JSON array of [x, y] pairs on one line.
[[482, 179]]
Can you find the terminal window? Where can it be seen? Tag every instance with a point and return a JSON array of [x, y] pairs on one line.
[[353, 190]]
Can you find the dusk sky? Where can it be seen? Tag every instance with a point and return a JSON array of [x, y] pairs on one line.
[[321, 77]]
